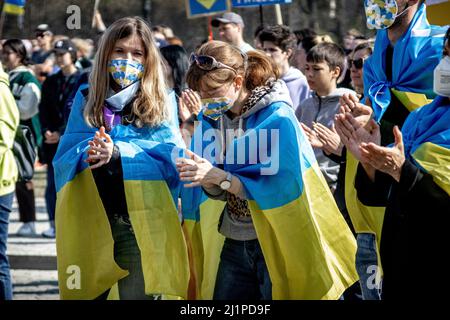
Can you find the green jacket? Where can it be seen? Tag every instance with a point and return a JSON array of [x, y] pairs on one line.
[[9, 120]]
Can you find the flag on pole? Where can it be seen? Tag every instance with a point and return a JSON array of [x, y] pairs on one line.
[[15, 7]]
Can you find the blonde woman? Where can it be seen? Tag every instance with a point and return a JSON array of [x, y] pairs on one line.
[[117, 186]]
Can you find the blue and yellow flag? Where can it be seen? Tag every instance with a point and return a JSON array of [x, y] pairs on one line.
[[16, 7], [415, 56], [308, 248], [365, 219], [84, 240], [426, 137]]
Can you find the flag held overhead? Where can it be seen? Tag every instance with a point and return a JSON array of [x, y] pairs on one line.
[[15, 7]]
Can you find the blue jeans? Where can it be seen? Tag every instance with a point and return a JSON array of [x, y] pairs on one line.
[[50, 192], [128, 256], [5, 276], [367, 266], [243, 273]]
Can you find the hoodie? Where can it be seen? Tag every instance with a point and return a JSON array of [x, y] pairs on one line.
[[9, 120], [26, 90], [241, 228], [297, 85], [323, 110]]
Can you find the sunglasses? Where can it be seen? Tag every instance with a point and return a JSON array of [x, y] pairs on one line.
[[208, 63], [42, 34], [358, 63]]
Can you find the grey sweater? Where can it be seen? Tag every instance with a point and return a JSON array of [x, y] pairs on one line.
[[322, 110], [241, 228]]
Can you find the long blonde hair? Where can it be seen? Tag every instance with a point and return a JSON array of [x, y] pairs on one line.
[[149, 107]]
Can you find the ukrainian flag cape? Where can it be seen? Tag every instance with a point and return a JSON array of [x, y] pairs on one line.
[[86, 266], [416, 54], [365, 219], [426, 137], [308, 247]]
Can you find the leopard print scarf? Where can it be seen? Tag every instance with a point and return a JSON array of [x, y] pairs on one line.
[[236, 206]]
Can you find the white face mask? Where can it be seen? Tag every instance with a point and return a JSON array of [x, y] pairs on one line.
[[441, 84]]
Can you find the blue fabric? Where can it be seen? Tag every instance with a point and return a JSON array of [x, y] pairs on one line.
[[430, 123], [6, 292], [367, 265], [20, 3], [416, 54], [147, 153], [242, 274], [286, 184]]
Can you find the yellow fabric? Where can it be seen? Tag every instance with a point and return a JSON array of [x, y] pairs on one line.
[[207, 245], [207, 3], [439, 13], [158, 232], [114, 292], [13, 9], [411, 100], [436, 161], [308, 247], [84, 240], [365, 219], [9, 120], [190, 229]]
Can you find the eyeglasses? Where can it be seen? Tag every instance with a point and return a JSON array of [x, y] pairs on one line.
[[208, 63], [358, 63]]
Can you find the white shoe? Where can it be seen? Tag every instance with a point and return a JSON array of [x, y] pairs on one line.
[[49, 233], [26, 230]]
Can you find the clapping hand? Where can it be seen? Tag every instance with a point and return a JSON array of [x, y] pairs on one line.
[[189, 103], [197, 171], [385, 159], [312, 136], [322, 137], [352, 133], [360, 112], [329, 138], [101, 149]]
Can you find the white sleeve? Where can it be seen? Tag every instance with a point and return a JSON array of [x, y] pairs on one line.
[[28, 103]]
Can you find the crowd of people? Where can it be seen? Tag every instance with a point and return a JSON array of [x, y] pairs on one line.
[[292, 168]]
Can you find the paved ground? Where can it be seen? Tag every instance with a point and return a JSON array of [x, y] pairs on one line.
[[33, 260]]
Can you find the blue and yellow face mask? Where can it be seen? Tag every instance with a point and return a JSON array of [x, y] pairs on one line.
[[214, 108], [380, 14], [125, 72]]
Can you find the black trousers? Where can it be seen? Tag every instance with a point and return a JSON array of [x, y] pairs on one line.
[[26, 202]]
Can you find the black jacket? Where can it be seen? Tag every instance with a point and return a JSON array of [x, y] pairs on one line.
[[55, 91], [413, 239]]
